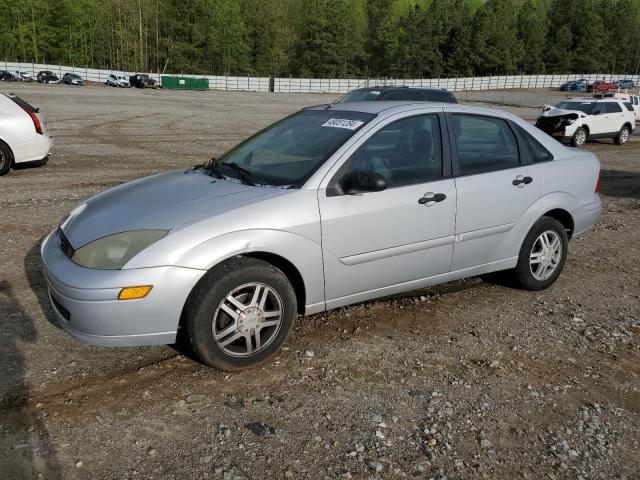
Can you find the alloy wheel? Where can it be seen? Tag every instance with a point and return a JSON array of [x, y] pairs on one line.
[[247, 319], [545, 255], [581, 137], [624, 135]]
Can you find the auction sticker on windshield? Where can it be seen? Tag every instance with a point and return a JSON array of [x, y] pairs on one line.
[[342, 123]]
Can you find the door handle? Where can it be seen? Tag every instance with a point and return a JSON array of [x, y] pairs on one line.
[[521, 181], [431, 198]]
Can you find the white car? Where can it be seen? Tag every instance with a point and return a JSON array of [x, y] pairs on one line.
[[632, 99], [117, 81], [23, 76], [577, 120], [23, 134]]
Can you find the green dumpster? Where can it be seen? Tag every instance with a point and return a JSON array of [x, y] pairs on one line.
[[184, 83]]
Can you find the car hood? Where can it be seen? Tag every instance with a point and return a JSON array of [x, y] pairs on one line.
[[551, 111], [163, 201]]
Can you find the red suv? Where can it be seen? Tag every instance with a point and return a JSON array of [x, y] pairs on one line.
[[602, 86]]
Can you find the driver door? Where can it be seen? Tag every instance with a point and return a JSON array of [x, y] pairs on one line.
[[377, 243]]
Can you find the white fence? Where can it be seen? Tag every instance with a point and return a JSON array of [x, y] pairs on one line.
[[342, 85], [334, 85], [220, 82]]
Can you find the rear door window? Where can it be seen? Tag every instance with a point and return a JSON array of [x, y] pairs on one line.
[[613, 107], [484, 144]]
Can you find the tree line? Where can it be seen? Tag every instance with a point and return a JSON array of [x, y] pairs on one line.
[[327, 38]]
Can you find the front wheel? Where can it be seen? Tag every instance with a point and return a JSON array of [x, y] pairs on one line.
[[542, 255], [623, 136], [240, 314], [579, 137]]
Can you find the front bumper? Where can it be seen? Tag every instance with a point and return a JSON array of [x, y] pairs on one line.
[[86, 306], [554, 127]]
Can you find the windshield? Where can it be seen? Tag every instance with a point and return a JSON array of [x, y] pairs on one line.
[[360, 96], [584, 107], [286, 153]]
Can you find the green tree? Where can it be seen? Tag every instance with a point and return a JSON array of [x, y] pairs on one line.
[[532, 32], [266, 35], [331, 40], [496, 48], [226, 50]]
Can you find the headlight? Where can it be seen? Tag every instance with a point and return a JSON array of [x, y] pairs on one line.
[[114, 251]]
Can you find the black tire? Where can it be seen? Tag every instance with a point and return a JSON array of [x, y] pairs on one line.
[[580, 137], [623, 135], [216, 286], [522, 274], [5, 159]]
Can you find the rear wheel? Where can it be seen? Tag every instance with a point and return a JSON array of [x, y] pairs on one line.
[[579, 137], [5, 159], [623, 136], [542, 255], [241, 314]]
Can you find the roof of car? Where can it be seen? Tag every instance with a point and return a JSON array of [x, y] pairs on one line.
[[593, 99], [386, 88], [378, 107]]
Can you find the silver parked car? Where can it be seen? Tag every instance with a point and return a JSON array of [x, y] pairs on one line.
[[23, 134], [330, 206]]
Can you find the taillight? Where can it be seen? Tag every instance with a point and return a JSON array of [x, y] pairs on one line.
[[34, 118], [597, 190]]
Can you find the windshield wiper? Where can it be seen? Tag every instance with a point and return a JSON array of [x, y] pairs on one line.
[[211, 167], [243, 173]]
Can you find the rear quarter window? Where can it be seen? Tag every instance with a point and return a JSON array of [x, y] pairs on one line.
[[537, 151], [628, 106]]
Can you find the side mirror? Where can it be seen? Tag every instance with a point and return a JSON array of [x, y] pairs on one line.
[[363, 181], [597, 113]]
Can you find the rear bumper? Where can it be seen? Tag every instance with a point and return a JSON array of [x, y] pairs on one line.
[[585, 217], [86, 305], [38, 149]]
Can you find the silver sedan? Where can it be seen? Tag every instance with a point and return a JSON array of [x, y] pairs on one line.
[[330, 206]]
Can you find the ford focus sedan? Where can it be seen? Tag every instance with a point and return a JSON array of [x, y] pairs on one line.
[[330, 206]]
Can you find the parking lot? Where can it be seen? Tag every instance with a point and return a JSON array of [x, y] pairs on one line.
[[465, 380]]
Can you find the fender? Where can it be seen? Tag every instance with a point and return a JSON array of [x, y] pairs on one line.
[[303, 253], [551, 201]]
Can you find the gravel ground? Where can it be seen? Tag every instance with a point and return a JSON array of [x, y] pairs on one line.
[[464, 380]]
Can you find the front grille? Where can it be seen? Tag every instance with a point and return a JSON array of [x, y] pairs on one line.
[[65, 246]]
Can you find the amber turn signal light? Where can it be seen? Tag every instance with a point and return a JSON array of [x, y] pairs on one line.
[[132, 293]]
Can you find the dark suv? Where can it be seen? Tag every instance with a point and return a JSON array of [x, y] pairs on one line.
[[6, 76], [142, 80], [413, 94], [47, 76]]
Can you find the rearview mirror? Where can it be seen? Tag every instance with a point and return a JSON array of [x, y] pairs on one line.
[[363, 181]]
